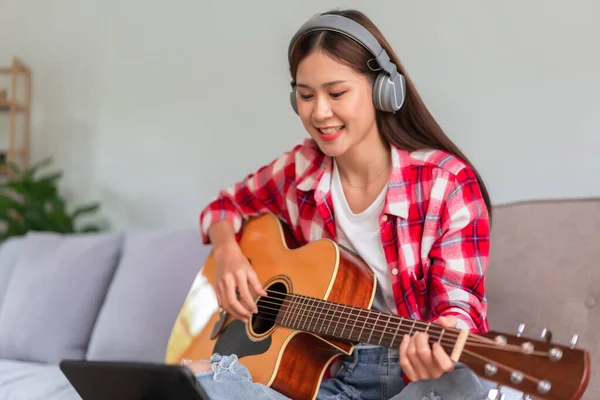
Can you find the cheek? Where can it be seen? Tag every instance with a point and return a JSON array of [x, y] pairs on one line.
[[304, 113], [355, 110]]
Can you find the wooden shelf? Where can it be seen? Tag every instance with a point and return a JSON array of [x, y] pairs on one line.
[[13, 104]]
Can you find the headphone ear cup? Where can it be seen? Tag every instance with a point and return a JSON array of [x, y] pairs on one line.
[[293, 100], [388, 96], [382, 92]]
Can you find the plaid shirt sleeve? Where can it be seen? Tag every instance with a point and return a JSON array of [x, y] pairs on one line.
[[258, 193], [459, 256]]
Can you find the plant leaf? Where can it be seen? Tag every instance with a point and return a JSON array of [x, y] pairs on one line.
[[32, 202], [85, 209]]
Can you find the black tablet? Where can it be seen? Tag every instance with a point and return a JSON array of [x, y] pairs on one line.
[[118, 380]]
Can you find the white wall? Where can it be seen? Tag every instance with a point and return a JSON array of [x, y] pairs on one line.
[[151, 107]]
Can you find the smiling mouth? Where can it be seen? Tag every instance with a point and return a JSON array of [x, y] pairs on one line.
[[331, 131]]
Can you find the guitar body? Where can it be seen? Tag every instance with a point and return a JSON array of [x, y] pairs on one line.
[[290, 361]]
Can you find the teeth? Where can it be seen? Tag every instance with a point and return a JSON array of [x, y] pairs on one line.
[[330, 131]]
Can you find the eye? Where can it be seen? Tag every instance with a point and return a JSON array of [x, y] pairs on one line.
[[337, 94], [306, 96]]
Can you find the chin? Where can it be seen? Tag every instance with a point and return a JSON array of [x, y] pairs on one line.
[[331, 149]]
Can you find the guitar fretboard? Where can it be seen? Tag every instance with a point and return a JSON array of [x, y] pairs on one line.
[[352, 323]]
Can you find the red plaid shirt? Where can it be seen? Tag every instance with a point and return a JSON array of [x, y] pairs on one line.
[[434, 227]]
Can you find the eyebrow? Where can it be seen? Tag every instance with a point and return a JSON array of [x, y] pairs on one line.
[[326, 84]]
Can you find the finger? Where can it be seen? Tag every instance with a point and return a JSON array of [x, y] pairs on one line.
[[423, 357], [222, 287], [405, 363], [234, 305], [255, 283], [448, 321], [442, 359], [218, 295], [414, 357], [245, 296], [221, 298]]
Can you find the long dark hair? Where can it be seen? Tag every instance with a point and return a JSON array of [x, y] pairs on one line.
[[412, 127]]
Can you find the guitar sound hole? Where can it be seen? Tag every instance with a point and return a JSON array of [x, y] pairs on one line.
[[268, 308]]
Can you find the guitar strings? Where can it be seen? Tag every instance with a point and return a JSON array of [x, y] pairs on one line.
[[323, 304], [384, 333], [443, 341], [490, 344], [394, 320]]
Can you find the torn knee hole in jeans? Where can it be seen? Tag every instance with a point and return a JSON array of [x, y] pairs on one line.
[[432, 396], [222, 365]]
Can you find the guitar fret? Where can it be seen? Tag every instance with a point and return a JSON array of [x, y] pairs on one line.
[[363, 326], [306, 313], [337, 321], [326, 313], [396, 332], [385, 329], [287, 313], [373, 328], [441, 334], [325, 316], [314, 308], [331, 320], [412, 327], [294, 307], [353, 326], [347, 319], [300, 313]]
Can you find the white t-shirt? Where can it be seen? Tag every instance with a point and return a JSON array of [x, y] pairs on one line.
[[360, 233]]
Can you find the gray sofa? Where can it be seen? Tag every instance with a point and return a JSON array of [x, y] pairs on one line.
[[111, 296], [115, 296]]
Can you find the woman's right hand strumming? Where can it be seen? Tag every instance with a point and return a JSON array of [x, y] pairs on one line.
[[235, 278]]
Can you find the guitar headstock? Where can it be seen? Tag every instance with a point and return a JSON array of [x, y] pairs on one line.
[[536, 367]]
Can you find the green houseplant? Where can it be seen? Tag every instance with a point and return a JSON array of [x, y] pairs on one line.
[[32, 202]]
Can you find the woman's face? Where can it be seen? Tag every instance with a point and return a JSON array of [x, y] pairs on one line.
[[334, 103]]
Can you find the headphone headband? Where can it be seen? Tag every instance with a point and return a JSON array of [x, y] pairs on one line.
[[350, 28], [389, 86]]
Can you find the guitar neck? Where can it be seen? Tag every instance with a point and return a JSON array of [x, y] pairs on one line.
[[355, 324]]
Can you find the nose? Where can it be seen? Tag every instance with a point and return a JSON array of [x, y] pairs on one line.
[[321, 109]]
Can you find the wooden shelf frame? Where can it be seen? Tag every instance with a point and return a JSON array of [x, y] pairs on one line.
[[14, 107]]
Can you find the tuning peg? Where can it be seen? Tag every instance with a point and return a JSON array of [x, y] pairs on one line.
[[546, 335], [574, 341], [496, 394], [520, 330], [526, 397]]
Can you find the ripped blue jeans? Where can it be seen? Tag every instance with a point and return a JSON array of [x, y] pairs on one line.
[[369, 373]]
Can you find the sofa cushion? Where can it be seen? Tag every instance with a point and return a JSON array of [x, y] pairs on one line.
[[544, 272], [54, 295], [33, 381], [153, 278], [9, 252]]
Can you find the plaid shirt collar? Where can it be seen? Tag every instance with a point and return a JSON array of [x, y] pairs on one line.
[[317, 176]]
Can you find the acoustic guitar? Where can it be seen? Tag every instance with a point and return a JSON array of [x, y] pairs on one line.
[[318, 307]]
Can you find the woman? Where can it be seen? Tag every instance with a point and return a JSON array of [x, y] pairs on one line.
[[380, 177]]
